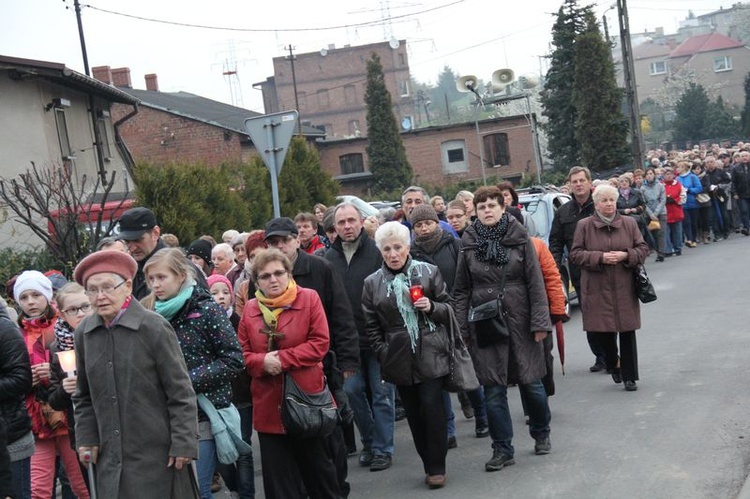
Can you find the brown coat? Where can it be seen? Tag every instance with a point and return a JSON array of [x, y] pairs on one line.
[[519, 359], [609, 301], [134, 399]]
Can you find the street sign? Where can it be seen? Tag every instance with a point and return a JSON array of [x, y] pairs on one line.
[[271, 134]]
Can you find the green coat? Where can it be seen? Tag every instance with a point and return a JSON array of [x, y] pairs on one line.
[[134, 400]]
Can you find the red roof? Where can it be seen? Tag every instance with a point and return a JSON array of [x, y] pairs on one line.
[[704, 43]]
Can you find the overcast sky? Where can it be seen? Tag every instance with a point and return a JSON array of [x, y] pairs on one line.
[[471, 36]]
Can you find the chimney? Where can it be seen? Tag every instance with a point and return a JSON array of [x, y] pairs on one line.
[[121, 77], [103, 74], [152, 83]]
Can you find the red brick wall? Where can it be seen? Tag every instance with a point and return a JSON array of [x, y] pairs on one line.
[[424, 153], [160, 137]]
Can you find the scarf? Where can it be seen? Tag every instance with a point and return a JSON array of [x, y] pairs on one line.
[[625, 193], [606, 220], [122, 311], [399, 287], [489, 249], [271, 308], [169, 308], [429, 242], [63, 335]]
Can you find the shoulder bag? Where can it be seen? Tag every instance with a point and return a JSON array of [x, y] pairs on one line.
[[643, 287], [462, 377], [489, 318], [307, 415]]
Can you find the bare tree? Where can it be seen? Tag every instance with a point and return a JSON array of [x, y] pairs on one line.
[[64, 211]]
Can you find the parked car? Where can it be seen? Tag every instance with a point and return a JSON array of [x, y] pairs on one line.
[[365, 209], [385, 204], [541, 203]]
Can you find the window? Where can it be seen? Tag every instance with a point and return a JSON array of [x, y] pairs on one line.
[[722, 64], [323, 101], [453, 154], [350, 94], [62, 134], [403, 88], [401, 59], [101, 125], [354, 128], [658, 68], [351, 163], [496, 149]]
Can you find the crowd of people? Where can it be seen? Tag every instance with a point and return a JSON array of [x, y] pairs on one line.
[[178, 354]]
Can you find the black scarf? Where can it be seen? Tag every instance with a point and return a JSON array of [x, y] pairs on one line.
[[489, 248], [429, 242]]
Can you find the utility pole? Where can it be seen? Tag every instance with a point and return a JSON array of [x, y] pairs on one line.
[[294, 84], [77, 8], [636, 138]]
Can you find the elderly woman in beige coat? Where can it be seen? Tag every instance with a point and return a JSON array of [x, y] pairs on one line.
[[608, 247], [135, 408]]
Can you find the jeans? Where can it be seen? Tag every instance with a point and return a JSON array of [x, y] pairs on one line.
[[206, 466], [476, 397], [745, 212], [674, 238], [498, 414], [21, 471], [720, 221], [376, 423], [240, 476], [690, 223], [449, 416]]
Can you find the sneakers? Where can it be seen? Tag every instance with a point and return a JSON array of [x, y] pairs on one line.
[[452, 442], [482, 430], [365, 458], [498, 461], [631, 386], [745, 232], [542, 446], [468, 412], [381, 462]]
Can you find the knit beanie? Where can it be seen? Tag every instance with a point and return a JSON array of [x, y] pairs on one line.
[[200, 248], [33, 279], [213, 279], [423, 212]]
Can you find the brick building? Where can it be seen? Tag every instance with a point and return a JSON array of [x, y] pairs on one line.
[[441, 155], [180, 126], [331, 86]]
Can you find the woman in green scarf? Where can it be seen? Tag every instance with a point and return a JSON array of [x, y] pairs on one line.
[[207, 339]]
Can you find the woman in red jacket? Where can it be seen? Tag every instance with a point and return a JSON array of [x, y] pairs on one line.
[[284, 329], [675, 215], [33, 293]]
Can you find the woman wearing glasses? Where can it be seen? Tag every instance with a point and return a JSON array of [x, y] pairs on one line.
[[135, 407], [207, 339], [284, 329], [33, 293]]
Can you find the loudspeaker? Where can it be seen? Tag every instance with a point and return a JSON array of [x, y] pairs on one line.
[[529, 80], [502, 77], [467, 83]]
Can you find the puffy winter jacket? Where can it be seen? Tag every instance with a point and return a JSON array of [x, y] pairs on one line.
[[15, 379]]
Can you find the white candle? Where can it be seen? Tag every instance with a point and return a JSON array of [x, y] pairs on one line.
[[68, 361]]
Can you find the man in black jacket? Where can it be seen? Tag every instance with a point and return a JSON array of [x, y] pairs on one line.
[[561, 240], [355, 256], [741, 188], [342, 361], [15, 383]]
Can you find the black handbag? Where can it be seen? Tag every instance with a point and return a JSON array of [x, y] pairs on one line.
[[307, 415], [461, 376], [643, 287], [489, 319]]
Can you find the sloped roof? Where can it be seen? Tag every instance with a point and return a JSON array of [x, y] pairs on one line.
[[704, 43], [648, 50], [62, 75], [203, 109]]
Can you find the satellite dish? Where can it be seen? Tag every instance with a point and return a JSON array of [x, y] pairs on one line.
[[467, 83], [324, 51], [502, 77], [406, 123], [529, 80], [394, 43]]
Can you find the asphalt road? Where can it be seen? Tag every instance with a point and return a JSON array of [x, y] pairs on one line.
[[684, 434]]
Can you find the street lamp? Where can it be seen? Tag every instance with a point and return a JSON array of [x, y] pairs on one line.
[[502, 79]]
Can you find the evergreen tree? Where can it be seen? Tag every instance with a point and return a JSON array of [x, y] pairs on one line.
[[690, 114], [600, 128], [746, 109], [557, 95], [385, 151], [719, 121]]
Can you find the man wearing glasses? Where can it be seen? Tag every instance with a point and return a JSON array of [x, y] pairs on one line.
[[342, 360]]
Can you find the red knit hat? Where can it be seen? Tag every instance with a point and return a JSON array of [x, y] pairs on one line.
[[111, 261]]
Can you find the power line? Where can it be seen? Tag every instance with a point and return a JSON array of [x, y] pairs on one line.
[[272, 30]]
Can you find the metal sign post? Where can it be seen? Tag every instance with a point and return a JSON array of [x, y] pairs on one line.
[[271, 135]]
